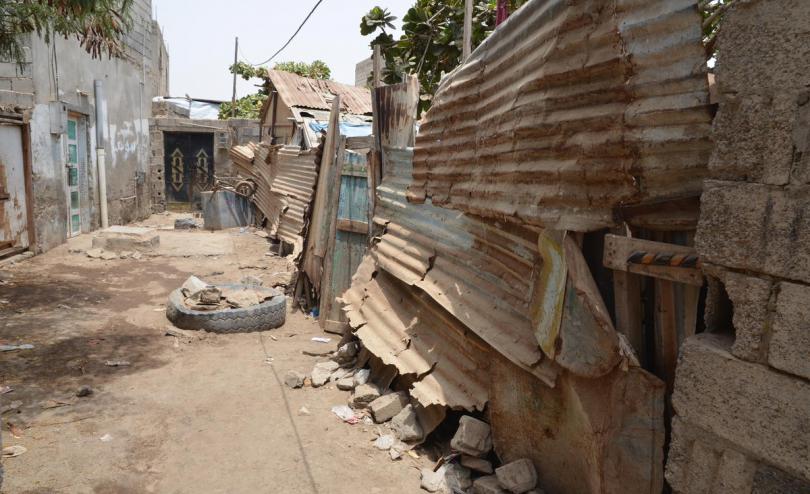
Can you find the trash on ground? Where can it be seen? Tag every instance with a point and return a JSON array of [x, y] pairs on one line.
[[345, 414], [12, 348], [304, 411], [117, 363], [12, 451], [321, 339]]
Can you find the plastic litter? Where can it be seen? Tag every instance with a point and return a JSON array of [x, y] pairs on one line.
[[11, 348], [345, 414], [321, 339]]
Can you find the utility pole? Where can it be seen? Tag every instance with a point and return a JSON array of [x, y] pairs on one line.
[[467, 48], [235, 59]]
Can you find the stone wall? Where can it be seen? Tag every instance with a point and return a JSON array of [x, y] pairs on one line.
[[742, 397]]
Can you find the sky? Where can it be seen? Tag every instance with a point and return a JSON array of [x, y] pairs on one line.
[[200, 38]]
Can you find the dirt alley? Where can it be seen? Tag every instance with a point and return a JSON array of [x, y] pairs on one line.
[[209, 416]]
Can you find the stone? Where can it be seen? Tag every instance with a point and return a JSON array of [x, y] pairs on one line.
[[433, 481], [362, 376], [345, 384], [120, 238], [109, 256], [95, 253], [487, 485], [477, 464], [473, 437], [281, 279], [750, 297], [294, 379], [387, 406], [322, 372], [457, 478], [789, 346], [209, 296], [250, 280], [192, 286], [406, 425], [185, 224], [749, 405], [364, 394], [384, 442], [518, 476]]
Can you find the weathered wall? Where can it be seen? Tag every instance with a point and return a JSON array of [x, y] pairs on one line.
[[63, 71], [743, 401]]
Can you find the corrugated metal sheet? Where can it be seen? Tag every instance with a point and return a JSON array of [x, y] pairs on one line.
[[295, 90], [296, 175], [569, 110]]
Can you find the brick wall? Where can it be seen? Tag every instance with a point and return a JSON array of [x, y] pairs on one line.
[[742, 400]]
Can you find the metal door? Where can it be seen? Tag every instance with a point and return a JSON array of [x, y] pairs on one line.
[[13, 210], [74, 165], [189, 162]]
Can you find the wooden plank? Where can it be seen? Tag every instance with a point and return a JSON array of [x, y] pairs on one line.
[[666, 332], [330, 215], [352, 226], [377, 67], [630, 311], [618, 250]]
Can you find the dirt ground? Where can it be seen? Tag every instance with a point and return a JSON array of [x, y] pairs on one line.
[[206, 416]]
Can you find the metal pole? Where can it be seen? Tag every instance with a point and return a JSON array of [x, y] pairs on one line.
[[235, 59], [467, 48], [101, 125]]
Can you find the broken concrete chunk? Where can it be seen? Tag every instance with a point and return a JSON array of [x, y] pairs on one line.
[[433, 481], [209, 296], [95, 253], [192, 286], [487, 485], [457, 478], [242, 298], [517, 477], [345, 384], [322, 372], [477, 464], [364, 394], [362, 376], [406, 425], [384, 443], [294, 379], [473, 437], [388, 406], [119, 238]]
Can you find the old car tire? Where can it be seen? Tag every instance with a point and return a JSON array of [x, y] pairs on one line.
[[268, 315]]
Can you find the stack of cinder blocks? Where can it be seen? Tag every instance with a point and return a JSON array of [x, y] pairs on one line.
[[742, 394]]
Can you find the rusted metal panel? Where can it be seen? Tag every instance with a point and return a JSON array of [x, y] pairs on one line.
[[295, 90], [13, 207], [295, 183], [568, 111]]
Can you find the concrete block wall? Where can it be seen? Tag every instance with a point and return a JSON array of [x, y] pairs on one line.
[[742, 397]]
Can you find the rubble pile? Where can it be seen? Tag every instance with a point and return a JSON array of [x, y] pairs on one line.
[[199, 295], [467, 468]]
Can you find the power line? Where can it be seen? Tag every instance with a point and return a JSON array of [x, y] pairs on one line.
[[289, 40]]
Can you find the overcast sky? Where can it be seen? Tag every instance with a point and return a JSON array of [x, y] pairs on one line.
[[200, 37]]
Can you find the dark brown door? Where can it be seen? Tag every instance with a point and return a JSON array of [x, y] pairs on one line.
[[189, 161]]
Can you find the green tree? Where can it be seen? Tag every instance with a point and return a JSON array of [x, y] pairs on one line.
[[98, 25], [250, 106], [712, 12], [432, 39]]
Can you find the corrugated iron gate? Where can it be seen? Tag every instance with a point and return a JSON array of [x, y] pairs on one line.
[[13, 210], [189, 162]]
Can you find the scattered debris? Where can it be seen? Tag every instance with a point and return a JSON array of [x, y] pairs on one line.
[[364, 394], [345, 414], [108, 256], [518, 476], [487, 485], [457, 478], [185, 224], [208, 296], [345, 384], [320, 339], [84, 391], [294, 379], [322, 372], [12, 348], [12, 451], [95, 253], [388, 406], [406, 425], [473, 437], [192, 286], [433, 481], [117, 363]]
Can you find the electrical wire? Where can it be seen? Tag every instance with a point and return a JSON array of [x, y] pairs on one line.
[[289, 40]]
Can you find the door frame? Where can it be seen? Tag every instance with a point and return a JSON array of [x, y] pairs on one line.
[[82, 153], [22, 120]]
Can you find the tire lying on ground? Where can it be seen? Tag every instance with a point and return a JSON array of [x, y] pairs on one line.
[[267, 315]]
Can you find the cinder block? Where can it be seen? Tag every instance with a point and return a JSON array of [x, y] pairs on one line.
[[789, 348], [764, 413], [750, 297], [473, 437], [755, 227]]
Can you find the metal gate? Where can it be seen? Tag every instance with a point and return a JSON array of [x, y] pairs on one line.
[[189, 162], [13, 209]]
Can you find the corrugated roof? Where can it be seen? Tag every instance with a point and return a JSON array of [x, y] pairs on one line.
[[569, 110], [295, 90]]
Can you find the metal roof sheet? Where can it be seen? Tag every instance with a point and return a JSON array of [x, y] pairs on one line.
[[295, 90], [569, 110]]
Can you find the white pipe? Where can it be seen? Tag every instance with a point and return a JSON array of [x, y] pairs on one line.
[[101, 165]]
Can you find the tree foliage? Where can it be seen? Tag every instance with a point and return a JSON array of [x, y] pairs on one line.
[[712, 12], [98, 25], [251, 105], [432, 39]]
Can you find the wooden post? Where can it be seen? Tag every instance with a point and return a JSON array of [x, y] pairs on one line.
[[377, 63], [467, 49], [629, 311]]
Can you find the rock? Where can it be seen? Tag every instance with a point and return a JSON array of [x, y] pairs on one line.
[[385, 442], [364, 394], [294, 379], [322, 372], [362, 376], [387, 406], [433, 481], [84, 391], [109, 256], [250, 280], [345, 384], [192, 285], [457, 478], [281, 279], [477, 464], [473, 437], [185, 224], [517, 477], [209, 296], [242, 298], [95, 253], [487, 485], [406, 425], [397, 450]]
